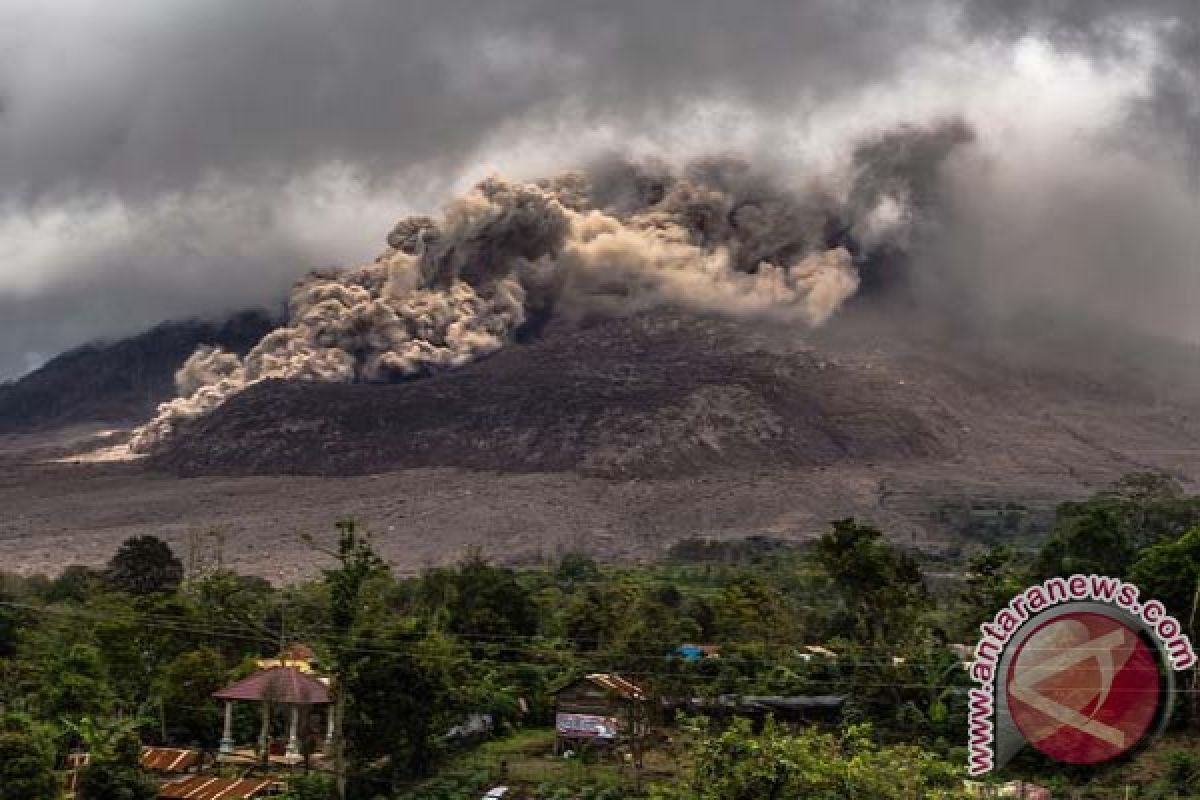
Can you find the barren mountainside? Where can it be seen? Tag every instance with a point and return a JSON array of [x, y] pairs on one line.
[[622, 436], [122, 381], [664, 395], [650, 396]]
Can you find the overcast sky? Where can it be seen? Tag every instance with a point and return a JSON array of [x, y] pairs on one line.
[[165, 158]]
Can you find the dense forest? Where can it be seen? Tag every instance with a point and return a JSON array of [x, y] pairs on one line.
[[108, 660]]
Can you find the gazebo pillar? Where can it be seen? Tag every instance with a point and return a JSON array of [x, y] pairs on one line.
[[329, 709], [264, 733], [226, 747], [292, 753]]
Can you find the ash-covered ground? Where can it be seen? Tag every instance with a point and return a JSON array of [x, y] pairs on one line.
[[667, 426]]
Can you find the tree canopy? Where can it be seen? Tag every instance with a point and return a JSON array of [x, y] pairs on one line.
[[144, 565]]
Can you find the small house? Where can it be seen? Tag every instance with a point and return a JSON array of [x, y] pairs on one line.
[[295, 655], [598, 709]]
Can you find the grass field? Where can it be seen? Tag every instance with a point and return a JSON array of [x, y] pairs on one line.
[[526, 760]]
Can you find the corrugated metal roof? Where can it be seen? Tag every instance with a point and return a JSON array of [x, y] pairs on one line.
[[279, 685], [159, 759], [203, 787], [169, 759], [615, 683]]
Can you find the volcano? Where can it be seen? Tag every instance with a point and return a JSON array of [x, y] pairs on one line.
[[670, 395], [620, 436], [651, 396]]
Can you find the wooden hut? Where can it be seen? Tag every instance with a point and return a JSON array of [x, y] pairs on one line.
[[599, 709]]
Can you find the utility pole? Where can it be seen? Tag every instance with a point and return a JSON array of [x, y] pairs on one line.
[[635, 742]]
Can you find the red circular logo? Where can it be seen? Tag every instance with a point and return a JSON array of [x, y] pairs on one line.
[[1083, 688]]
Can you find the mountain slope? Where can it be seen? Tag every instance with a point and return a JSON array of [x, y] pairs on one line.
[[666, 396], [621, 437], [650, 396], [119, 382]]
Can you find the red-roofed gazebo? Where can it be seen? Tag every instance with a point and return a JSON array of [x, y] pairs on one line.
[[275, 686]]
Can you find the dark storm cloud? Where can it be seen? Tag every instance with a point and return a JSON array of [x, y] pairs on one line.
[[163, 157], [141, 97], [135, 105]]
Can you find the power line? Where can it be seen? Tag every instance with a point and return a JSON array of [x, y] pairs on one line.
[[398, 649]]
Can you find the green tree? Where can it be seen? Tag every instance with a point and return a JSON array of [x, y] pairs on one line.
[[590, 619], [1183, 772], [1087, 538], [185, 691], [1170, 572], [113, 771], [1103, 533], [75, 584], [308, 787], [357, 566], [488, 601], [400, 699], [26, 761], [144, 565], [736, 764], [653, 629], [234, 601], [993, 579], [74, 684], [1151, 507], [879, 584], [577, 568], [9, 626], [751, 609]]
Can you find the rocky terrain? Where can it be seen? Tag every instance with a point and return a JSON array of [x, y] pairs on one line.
[[654, 396], [622, 436]]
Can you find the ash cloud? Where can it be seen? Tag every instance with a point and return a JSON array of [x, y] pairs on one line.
[[1168, 110], [716, 236], [166, 159]]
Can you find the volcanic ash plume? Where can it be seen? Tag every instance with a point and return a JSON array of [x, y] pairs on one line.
[[625, 238]]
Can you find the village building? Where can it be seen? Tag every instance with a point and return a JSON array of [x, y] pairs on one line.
[[171, 760], [809, 652], [167, 763], [278, 686], [296, 654], [599, 709]]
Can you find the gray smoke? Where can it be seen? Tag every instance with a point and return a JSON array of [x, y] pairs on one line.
[[1169, 109], [166, 158], [717, 237]]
